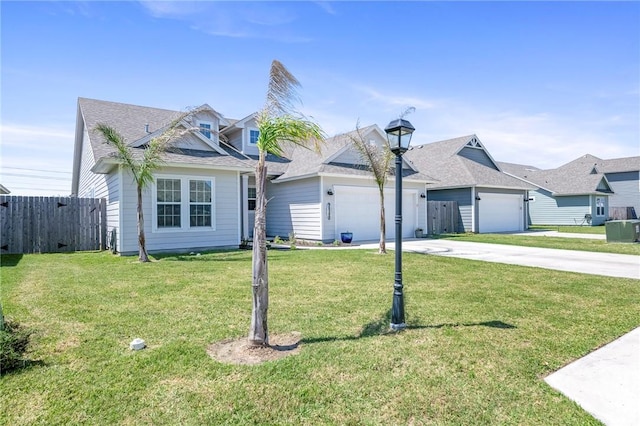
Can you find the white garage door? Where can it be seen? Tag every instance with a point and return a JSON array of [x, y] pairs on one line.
[[357, 210], [500, 212]]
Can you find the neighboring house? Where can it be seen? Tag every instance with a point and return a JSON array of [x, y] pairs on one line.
[[623, 175], [575, 193], [488, 199], [4, 190]]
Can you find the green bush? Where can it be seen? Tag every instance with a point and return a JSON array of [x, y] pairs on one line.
[[14, 339]]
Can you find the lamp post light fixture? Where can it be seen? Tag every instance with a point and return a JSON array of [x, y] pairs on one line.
[[399, 137]]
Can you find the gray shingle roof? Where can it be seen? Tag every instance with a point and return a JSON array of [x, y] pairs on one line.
[[441, 160], [580, 176], [618, 165], [306, 162], [130, 121]]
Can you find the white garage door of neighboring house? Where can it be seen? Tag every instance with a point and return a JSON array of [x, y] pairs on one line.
[[500, 212], [357, 210]]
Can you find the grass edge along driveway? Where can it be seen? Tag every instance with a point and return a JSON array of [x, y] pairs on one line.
[[481, 337]]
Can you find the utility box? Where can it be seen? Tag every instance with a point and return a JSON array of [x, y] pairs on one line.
[[622, 231]]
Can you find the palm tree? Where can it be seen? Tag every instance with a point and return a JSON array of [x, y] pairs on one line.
[[142, 168], [378, 159], [279, 125]]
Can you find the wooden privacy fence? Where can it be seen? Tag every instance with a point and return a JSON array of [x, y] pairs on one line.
[[51, 224], [622, 213], [442, 217]]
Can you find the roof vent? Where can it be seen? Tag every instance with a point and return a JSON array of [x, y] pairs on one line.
[[146, 128]]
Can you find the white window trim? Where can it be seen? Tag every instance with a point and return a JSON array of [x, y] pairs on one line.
[[184, 205], [249, 129], [210, 130], [603, 206], [249, 198]]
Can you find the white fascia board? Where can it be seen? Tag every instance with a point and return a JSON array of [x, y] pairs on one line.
[[369, 177], [486, 151], [206, 166], [77, 151], [289, 179], [104, 166], [528, 181], [240, 123]]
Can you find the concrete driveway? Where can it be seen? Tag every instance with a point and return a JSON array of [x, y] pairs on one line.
[[608, 264]]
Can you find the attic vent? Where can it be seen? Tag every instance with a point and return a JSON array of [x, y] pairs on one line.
[[146, 128], [474, 143], [594, 171]]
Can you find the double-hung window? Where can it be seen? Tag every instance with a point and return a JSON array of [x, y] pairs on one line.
[[205, 129], [251, 198], [169, 195], [253, 136], [599, 206], [199, 203], [184, 203]]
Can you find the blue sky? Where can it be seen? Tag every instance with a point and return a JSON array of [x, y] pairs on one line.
[[540, 83]]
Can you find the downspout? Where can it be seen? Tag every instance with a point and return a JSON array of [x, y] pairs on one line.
[[245, 206], [474, 209]]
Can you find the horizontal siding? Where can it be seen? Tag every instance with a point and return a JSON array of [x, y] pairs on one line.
[[294, 207], [548, 210], [226, 215], [463, 197], [626, 188]]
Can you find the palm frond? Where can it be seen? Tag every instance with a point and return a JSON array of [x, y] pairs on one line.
[[282, 92], [115, 139], [378, 158], [277, 131]]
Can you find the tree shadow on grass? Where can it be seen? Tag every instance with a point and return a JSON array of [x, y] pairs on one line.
[[10, 259], [22, 366], [381, 327]]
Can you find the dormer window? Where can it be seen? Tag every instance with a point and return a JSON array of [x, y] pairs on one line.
[[205, 129], [254, 134]]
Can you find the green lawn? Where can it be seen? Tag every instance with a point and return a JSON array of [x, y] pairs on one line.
[[481, 338], [570, 228], [582, 244]]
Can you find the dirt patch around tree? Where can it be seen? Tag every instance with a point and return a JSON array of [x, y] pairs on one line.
[[240, 352]]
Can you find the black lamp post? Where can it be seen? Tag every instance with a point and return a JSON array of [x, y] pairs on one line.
[[399, 137]]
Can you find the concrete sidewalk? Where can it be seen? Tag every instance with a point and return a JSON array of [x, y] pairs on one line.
[[606, 383]]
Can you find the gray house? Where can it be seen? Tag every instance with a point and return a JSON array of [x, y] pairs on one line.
[[488, 199], [623, 175], [575, 193]]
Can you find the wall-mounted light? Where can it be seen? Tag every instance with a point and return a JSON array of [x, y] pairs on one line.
[[423, 195], [330, 191]]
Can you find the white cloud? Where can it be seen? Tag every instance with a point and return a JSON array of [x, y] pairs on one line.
[[232, 19]]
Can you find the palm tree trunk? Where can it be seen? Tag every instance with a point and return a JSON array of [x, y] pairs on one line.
[[142, 249], [258, 334], [383, 228]]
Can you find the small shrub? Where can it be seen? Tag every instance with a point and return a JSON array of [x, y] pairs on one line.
[[14, 340], [319, 243], [292, 241], [277, 240], [336, 242]]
